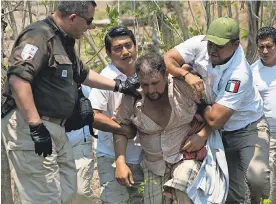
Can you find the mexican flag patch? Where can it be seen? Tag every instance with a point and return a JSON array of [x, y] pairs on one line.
[[233, 86]]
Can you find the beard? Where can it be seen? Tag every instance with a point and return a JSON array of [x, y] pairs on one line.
[[156, 96]]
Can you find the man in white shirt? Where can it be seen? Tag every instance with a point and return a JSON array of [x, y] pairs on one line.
[[120, 46], [264, 75], [81, 141], [237, 105]]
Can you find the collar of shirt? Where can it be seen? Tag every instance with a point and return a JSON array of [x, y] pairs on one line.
[[219, 70], [262, 66], [115, 73]]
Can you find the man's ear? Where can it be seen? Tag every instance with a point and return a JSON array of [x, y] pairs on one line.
[[108, 54], [71, 17], [236, 44]]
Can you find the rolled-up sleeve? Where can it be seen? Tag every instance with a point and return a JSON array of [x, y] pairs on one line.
[[233, 94], [190, 48], [125, 111], [29, 55]]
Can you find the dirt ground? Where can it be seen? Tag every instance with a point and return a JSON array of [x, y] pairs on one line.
[[96, 187]]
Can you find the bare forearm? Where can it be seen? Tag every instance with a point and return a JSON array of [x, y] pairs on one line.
[[23, 96], [217, 115], [120, 143], [104, 123], [174, 62], [174, 68], [98, 81]]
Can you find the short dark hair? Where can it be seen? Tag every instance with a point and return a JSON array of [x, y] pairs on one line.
[[80, 7], [234, 40], [266, 32], [117, 32], [150, 63]]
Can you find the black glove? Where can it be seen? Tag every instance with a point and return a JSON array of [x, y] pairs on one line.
[[129, 86], [42, 139]]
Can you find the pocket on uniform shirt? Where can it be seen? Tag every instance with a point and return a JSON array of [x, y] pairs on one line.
[[64, 70]]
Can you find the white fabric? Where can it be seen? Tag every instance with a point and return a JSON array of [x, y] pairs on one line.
[[212, 182], [247, 102], [107, 101], [78, 136], [265, 80]]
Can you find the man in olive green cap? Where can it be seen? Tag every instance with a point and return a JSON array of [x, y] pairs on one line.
[[222, 30], [224, 78]]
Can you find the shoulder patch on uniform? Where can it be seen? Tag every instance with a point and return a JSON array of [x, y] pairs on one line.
[[28, 52], [233, 86]]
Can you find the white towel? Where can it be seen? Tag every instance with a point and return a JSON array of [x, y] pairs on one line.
[[212, 182]]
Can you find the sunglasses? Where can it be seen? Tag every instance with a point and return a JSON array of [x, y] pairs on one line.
[[88, 20]]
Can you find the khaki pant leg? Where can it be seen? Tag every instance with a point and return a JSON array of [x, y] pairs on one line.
[[272, 162], [85, 166], [111, 191], [36, 177], [67, 167], [135, 196], [258, 173]]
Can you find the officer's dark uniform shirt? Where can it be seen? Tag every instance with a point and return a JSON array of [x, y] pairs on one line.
[[46, 58]]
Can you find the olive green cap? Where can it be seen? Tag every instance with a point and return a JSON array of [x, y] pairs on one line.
[[222, 30]]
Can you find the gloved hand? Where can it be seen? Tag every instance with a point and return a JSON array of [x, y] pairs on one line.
[[42, 139], [129, 86]]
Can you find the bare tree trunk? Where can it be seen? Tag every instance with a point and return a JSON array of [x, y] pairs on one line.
[[6, 193], [53, 6], [261, 15], [208, 14], [237, 12], [229, 9], [12, 21], [212, 17], [253, 12], [272, 15], [155, 32], [192, 13], [181, 21], [219, 8], [30, 12], [24, 13]]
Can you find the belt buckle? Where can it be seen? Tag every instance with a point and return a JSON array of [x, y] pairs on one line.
[[57, 121]]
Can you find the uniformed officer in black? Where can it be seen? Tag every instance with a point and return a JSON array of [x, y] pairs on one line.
[[42, 79]]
